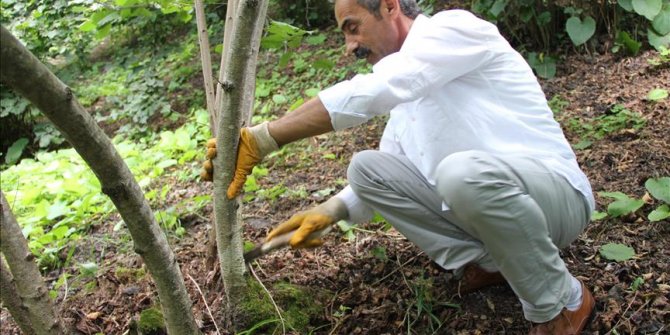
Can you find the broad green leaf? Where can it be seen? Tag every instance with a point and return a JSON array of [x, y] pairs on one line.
[[659, 188], [622, 205], [647, 8], [56, 210], [15, 151], [316, 39], [596, 215], [661, 22], [498, 7], [87, 26], [626, 4], [279, 99], [617, 252], [580, 31], [658, 41], [660, 213], [657, 94]]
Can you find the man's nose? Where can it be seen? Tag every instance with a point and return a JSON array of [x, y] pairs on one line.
[[351, 46]]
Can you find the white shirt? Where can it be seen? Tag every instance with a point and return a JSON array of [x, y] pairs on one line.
[[455, 85]]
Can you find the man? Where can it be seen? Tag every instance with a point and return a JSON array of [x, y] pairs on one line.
[[472, 167]]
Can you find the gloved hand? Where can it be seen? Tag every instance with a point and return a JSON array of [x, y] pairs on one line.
[[255, 143], [309, 221]]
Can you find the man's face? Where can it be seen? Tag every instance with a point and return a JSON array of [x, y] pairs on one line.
[[365, 32]]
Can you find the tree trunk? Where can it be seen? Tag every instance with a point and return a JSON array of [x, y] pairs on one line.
[[206, 59], [23, 289], [234, 103], [27, 76]]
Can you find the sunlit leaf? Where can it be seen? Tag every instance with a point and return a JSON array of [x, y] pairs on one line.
[[617, 252], [657, 94], [622, 205], [659, 188], [660, 213]]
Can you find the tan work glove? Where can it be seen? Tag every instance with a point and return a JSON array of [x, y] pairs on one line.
[[309, 221], [255, 143]]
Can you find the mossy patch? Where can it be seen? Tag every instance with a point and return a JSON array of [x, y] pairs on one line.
[[126, 275], [299, 306], [152, 322]]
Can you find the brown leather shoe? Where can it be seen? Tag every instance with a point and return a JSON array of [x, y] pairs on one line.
[[475, 278], [569, 322]]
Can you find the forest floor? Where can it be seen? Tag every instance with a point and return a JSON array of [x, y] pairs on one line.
[[380, 283]]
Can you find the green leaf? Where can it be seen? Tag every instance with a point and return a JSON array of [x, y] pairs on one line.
[[583, 144], [596, 215], [279, 99], [632, 46], [647, 8], [626, 4], [660, 213], [617, 252], [87, 26], [659, 188], [56, 210], [580, 31], [661, 22], [658, 41], [657, 94], [316, 39], [622, 205], [498, 7], [14, 152]]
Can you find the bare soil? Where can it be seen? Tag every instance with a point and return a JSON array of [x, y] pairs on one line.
[[379, 283]]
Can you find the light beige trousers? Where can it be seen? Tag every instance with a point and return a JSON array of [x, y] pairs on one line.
[[506, 213]]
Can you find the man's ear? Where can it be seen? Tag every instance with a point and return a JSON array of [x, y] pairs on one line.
[[392, 7]]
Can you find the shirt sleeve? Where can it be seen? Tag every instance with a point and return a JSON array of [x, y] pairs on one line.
[[435, 52], [358, 211]]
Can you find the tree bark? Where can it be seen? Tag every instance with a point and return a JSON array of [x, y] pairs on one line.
[[26, 298], [206, 59], [234, 103], [24, 73]]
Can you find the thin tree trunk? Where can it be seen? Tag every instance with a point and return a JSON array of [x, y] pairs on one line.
[[27, 76], [203, 39], [239, 78], [23, 288], [212, 253], [10, 298]]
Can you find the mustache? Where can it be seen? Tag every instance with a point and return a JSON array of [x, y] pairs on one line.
[[362, 52]]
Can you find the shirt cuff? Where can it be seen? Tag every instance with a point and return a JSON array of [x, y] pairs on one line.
[[358, 211]]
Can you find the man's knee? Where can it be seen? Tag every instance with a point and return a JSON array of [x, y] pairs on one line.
[[361, 168], [460, 175]]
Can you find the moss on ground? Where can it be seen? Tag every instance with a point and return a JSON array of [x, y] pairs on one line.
[[152, 322], [299, 307]]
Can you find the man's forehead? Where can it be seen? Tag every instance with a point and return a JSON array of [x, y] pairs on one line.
[[347, 10]]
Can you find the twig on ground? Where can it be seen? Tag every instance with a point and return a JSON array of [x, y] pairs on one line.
[[209, 311]]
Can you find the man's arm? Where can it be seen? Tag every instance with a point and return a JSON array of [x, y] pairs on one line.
[[308, 120]]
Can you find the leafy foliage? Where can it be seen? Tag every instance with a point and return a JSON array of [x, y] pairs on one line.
[[56, 196], [618, 118]]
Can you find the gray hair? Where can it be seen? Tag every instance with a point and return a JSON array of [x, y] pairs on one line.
[[408, 7]]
